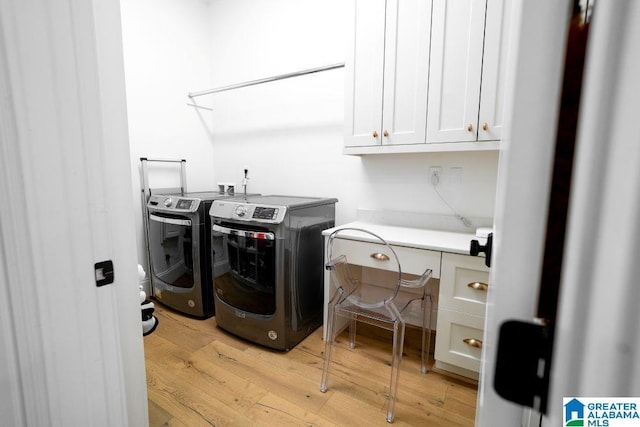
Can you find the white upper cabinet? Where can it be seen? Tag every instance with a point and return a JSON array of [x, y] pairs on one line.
[[494, 68], [387, 71], [469, 45], [425, 75], [456, 70]]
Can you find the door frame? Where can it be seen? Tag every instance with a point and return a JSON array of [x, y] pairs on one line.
[[524, 175], [596, 350]]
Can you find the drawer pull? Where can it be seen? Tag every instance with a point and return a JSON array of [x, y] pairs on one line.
[[478, 286], [379, 257], [473, 342]]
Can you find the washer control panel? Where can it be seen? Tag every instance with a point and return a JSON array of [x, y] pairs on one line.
[[263, 212], [239, 210]]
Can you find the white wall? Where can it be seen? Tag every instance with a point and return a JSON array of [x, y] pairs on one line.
[[166, 45], [289, 132]]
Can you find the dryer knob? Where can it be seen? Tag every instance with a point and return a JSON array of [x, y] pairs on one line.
[[168, 202], [241, 210]]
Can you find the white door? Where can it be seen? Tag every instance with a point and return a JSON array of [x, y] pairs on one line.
[[596, 351], [72, 352], [455, 70]]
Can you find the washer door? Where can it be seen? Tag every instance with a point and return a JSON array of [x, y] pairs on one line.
[[171, 249], [249, 285]]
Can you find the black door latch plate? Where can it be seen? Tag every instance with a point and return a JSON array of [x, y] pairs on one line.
[[523, 364], [104, 273]]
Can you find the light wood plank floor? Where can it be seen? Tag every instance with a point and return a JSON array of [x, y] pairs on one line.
[[199, 375]]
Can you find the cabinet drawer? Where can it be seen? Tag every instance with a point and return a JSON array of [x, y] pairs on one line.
[[412, 260], [454, 337], [463, 284]]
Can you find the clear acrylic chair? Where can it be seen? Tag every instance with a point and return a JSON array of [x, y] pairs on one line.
[[373, 301]]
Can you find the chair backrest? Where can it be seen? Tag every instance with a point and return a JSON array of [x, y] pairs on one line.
[[348, 278]]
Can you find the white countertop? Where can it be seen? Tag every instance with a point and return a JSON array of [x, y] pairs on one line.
[[444, 241]]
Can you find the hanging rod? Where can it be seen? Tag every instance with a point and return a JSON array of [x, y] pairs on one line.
[[191, 104], [268, 79]]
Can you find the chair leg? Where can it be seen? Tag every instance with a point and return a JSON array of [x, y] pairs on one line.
[[328, 345], [398, 344], [426, 331], [352, 331]]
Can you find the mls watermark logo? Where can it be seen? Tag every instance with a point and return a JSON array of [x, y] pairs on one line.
[[573, 412], [601, 411]]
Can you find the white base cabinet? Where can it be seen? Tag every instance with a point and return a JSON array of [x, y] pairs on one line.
[[461, 312], [460, 293]]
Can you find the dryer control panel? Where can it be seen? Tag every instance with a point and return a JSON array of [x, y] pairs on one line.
[[173, 203]]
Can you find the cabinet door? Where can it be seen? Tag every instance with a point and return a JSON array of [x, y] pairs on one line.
[[494, 68], [456, 66], [406, 71], [364, 73]]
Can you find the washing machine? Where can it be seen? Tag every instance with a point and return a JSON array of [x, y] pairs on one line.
[[272, 290]]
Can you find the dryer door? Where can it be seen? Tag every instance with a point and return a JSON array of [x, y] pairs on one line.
[[171, 249]]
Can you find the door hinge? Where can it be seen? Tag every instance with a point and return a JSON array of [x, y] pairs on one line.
[[523, 363], [104, 273]]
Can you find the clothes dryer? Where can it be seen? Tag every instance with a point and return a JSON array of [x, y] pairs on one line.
[[182, 250]]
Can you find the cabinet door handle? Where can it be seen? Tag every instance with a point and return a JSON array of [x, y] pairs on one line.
[[478, 286], [375, 133], [379, 257], [385, 133], [473, 342], [470, 128], [485, 127]]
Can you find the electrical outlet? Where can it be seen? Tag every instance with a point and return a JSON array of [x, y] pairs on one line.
[[227, 187], [455, 175], [435, 175]]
